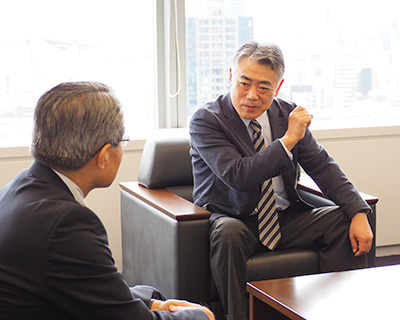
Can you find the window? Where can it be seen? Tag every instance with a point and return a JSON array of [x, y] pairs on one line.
[[48, 42], [343, 66], [342, 57]]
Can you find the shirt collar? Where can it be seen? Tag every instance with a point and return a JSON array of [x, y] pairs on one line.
[[74, 188], [262, 118]]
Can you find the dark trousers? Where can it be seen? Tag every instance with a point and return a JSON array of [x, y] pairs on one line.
[[233, 241]]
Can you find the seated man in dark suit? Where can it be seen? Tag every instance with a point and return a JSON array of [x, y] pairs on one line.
[[55, 261], [246, 148]]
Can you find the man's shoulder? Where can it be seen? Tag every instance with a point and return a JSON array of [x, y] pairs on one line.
[[215, 106], [283, 104], [280, 108], [28, 192], [215, 112]]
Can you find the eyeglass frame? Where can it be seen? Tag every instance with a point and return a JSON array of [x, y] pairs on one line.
[[124, 140]]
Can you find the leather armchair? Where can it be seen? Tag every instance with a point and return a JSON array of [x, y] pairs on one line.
[[165, 236]]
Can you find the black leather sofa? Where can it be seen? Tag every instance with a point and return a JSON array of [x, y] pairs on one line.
[[165, 236]]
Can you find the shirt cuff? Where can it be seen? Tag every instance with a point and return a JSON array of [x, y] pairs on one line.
[[150, 303], [290, 155]]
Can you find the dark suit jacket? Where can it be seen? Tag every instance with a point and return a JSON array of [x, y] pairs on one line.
[[228, 172], [55, 262]]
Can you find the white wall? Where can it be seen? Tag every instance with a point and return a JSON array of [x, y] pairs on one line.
[[369, 158]]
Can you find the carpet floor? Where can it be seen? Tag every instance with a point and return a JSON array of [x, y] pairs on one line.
[[387, 260]]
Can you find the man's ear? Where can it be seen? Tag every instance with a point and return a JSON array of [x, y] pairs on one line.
[[103, 156]]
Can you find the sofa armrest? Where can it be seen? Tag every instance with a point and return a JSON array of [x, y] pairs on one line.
[[167, 202], [306, 184], [165, 242]]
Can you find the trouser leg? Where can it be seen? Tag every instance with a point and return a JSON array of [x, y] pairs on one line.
[[231, 244], [325, 229]]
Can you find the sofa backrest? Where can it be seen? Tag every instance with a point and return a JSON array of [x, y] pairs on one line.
[[166, 163]]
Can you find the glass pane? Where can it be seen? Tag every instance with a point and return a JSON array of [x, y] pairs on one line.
[[45, 42], [342, 57]]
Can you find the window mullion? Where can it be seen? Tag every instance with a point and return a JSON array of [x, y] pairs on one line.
[[182, 101], [171, 106]]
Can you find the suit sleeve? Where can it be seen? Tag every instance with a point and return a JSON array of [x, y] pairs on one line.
[[81, 279], [328, 175]]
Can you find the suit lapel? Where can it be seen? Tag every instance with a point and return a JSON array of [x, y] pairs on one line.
[[279, 125], [277, 121], [235, 124]]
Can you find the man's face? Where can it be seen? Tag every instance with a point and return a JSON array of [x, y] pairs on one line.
[[253, 88]]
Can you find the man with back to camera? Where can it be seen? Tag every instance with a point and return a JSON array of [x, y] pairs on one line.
[[246, 148], [55, 260]]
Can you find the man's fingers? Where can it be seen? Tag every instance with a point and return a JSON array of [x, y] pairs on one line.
[[354, 244]]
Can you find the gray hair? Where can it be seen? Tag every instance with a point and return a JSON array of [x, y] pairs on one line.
[[73, 121], [264, 53]]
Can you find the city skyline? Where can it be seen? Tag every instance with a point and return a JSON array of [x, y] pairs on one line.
[[332, 71]]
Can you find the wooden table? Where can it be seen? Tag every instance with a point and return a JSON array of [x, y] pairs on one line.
[[359, 294]]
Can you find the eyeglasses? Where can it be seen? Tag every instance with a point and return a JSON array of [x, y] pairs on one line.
[[124, 140]]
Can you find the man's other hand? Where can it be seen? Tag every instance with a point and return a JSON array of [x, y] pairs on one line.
[[360, 234]]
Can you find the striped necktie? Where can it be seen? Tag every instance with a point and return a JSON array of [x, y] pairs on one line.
[[268, 224]]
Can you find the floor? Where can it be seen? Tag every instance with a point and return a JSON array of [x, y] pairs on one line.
[[387, 260]]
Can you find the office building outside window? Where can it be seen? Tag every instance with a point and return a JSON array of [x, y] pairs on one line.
[[343, 66]]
